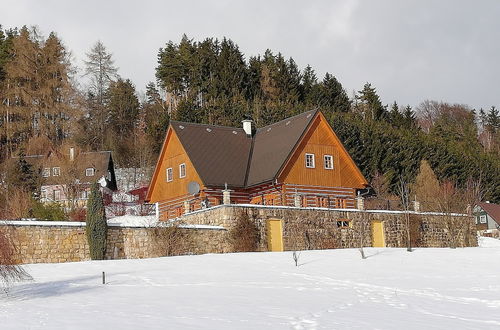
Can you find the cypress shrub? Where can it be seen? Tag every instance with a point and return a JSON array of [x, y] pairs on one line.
[[96, 228]]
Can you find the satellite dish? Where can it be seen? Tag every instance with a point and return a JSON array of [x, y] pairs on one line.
[[193, 187]]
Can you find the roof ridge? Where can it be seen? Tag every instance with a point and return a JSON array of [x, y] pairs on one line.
[[172, 122], [288, 118]]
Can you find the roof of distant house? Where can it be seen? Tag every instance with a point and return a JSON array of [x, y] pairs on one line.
[[492, 209]]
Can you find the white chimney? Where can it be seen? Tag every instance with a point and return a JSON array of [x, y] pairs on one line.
[[71, 154], [247, 126]]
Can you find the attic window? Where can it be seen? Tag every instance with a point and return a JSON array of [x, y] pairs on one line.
[[46, 172], [56, 171], [209, 130], [482, 219], [181, 127], [182, 170], [310, 160], [89, 171], [170, 174], [328, 160]]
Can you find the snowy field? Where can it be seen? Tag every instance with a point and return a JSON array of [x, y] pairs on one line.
[[333, 289]]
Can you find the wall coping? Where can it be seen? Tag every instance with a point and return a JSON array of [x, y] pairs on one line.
[[83, 224], [258, 206]]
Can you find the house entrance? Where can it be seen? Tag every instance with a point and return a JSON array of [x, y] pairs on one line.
[[378, 238], [275, 235]]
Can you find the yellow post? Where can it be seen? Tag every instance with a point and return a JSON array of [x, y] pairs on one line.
[[275, 235]]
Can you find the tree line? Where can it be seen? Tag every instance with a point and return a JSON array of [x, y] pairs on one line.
[[46, 103]]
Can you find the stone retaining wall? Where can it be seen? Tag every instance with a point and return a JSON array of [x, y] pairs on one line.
[[302, 229], [315, 228], [65, 243]]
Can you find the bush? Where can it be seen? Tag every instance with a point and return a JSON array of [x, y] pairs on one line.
[[52, 211], [79, 214], [97, 227], [244, 236]]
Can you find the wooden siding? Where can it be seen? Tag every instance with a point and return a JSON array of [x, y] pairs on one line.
[[320, 140], [173, 154]]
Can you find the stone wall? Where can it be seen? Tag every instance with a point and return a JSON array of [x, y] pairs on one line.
[[303, 228], [65, 242], [315, 228]]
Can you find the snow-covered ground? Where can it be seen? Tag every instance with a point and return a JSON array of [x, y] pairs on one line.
[[331, 289]]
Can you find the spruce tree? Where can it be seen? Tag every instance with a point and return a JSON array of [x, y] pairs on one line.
[[96, 228]]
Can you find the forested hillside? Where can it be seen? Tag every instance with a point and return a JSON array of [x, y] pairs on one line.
[[46, 102]]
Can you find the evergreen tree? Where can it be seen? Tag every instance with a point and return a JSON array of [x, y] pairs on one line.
[[96, 225], [369, 104], [333, 96], [123, 107]]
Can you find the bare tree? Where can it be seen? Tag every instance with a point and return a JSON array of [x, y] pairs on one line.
[[404, 195], [9, 271], [296, 257]]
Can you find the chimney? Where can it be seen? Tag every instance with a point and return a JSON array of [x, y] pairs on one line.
[[71, 154], [247, 127]]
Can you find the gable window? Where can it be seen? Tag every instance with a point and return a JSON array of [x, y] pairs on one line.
[[182, 170], [328, 160], [90, 171], [56, 171], [170, 174], [46, 172], [482, 219], [310, 160], [57, 195]]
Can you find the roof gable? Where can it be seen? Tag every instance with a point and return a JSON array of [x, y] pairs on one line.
[[274, 144]]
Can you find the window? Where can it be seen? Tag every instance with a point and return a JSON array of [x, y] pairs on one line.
[[57, 195], [84, 194], [482, 219], [43, 195], [182, 170], [328, 160], [310, 160], [170, 174], [56, 171], [343, 223], [46, 172], [90, 171]]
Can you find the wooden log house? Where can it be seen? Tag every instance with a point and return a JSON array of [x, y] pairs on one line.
[[298, 161]]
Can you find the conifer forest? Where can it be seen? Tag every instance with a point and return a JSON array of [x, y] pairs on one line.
[[44, 105]]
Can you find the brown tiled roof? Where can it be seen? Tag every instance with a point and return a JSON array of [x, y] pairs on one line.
[[274, 144], [219, 154], [226, 155], [493, 210]]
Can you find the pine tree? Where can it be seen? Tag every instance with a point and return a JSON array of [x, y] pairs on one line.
[[369, 103], [96, 225]]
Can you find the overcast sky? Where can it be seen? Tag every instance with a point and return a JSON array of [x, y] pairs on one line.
[[409, 50]]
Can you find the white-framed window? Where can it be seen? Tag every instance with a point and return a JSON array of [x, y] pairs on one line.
[[43, 195], [310, 160], [170, 174], [182, 170], [85, 194], [328, 162], [56, 171], [46, 172], [57, 195], [482, 219], [90, 171]]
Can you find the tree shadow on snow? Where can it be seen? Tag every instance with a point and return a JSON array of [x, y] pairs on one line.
[[55, 288]]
